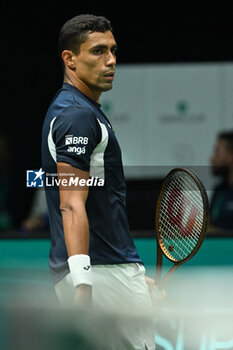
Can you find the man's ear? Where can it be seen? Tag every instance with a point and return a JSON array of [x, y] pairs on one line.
[[68, 59]]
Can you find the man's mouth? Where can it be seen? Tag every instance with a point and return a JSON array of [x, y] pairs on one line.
[[109, 75]]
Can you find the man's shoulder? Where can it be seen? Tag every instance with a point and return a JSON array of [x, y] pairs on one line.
[[75, 113], [65, 107], [76, 117]]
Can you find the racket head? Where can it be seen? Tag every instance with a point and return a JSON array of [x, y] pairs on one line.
[[181, 215]]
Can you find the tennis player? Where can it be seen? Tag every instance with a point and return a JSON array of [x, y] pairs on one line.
[[93, 258]]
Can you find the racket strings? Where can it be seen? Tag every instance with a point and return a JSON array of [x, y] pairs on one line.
[[181, 250], [186, 214], [181, 216], [185, 217], [176, 208], [169, 227], [183, 221]]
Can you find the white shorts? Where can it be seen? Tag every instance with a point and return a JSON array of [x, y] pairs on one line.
[[120, 290]]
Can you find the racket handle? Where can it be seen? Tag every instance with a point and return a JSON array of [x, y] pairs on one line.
[[158, 264], [168, 275]]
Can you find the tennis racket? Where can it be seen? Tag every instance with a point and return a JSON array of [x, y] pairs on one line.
[[181, 220]]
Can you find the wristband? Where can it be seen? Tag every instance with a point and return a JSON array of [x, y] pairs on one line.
[[80, 268]]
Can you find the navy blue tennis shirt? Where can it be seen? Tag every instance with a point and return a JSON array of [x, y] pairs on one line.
[[77, 132]]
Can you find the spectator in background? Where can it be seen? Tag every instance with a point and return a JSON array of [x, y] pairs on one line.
[[37, 219], [6, 219], [221, 205]]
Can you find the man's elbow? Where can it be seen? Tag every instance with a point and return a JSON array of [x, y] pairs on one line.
[[66, 207]]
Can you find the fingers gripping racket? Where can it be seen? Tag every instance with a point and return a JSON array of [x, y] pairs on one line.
[[181, 219]]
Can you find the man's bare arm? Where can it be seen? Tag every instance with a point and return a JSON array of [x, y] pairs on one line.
[[75, 221]]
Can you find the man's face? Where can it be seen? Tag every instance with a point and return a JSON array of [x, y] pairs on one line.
[[96, 61], [221, 158]]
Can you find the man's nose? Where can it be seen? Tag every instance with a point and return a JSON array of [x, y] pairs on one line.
[[111, 59]]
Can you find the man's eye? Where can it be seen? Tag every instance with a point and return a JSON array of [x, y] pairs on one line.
[[97, 51]]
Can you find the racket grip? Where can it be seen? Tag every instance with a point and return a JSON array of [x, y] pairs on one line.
[[158, 274], [158, 264]]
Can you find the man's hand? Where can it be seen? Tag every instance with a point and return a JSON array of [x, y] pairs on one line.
[[157, 295], [150, 283], [155, 292], [83, 295]]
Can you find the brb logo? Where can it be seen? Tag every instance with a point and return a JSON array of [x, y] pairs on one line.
[[35, 178], [76, 140]]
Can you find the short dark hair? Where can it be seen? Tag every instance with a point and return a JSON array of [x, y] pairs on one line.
[[228, 137], [74, 32]]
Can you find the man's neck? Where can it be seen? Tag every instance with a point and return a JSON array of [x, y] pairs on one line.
[[81, 86]]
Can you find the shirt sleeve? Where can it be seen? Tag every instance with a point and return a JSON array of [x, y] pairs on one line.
[[76, 133]]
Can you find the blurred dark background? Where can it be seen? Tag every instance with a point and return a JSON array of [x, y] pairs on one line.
[[31, 72]]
